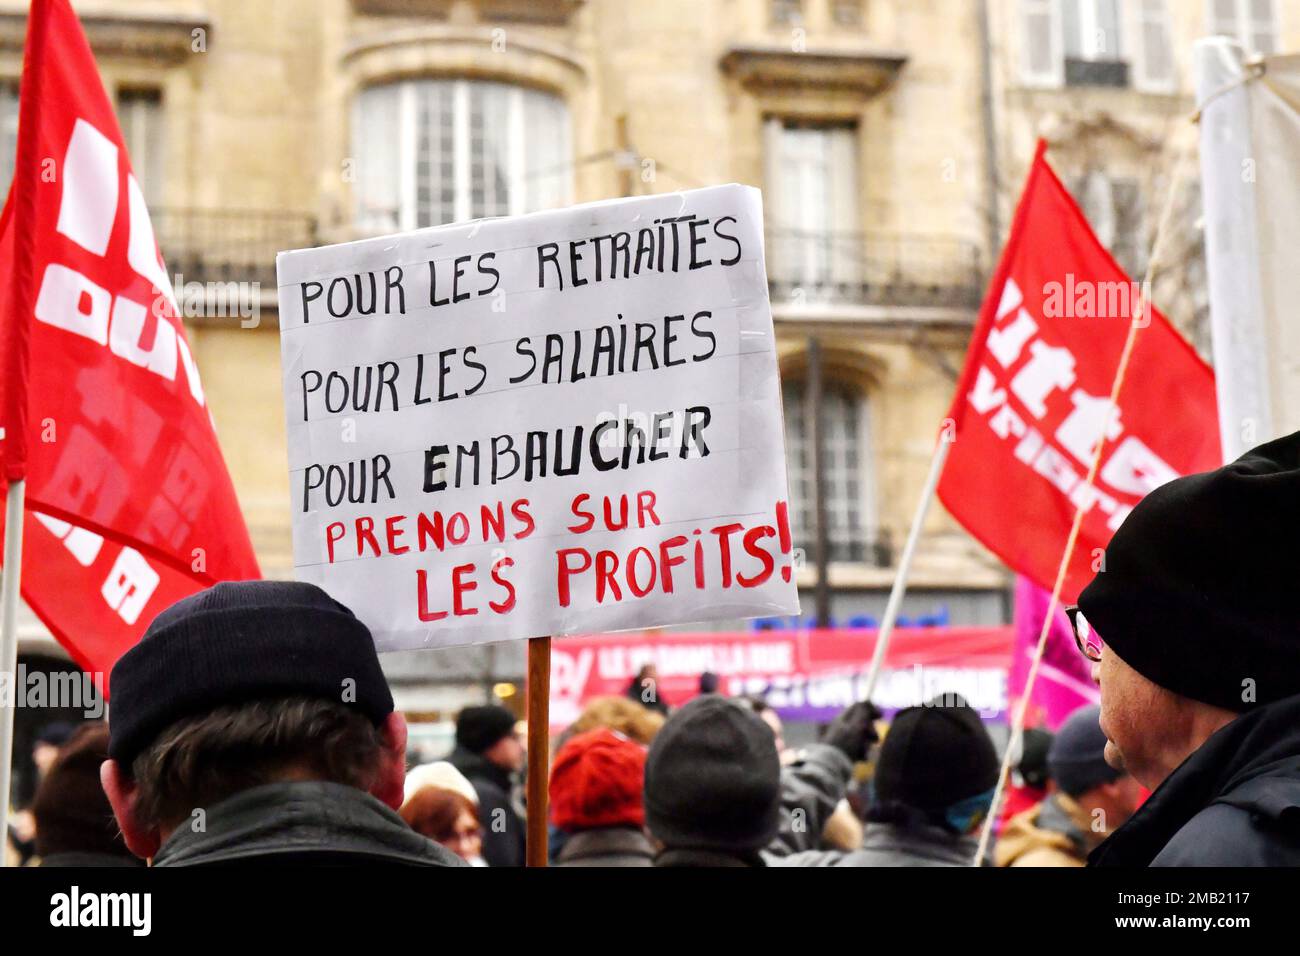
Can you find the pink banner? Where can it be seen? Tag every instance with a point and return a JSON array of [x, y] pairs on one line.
[[805, 675], [1064, 682]]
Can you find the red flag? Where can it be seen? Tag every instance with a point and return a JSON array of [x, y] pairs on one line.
[[1032, 399], [101, 404]]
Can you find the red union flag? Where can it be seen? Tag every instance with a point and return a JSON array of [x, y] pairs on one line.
[[1033, 398], [130, 504]]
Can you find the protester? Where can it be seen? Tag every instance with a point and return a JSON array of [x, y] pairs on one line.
[[1028, 784], [489, 753], [446, 817], [644, 689], [716, 795], [1200, 670], [1090, 800], [439, 774], [252, 723], [768, 715], [934, 785], [618, 714], [596, 800], [74, 822]]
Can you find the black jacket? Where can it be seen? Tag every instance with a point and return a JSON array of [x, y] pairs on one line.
[[1234, 802], [607, 846], [503, 831], [301, 822]]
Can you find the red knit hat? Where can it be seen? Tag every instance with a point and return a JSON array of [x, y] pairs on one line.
[[596, 781]]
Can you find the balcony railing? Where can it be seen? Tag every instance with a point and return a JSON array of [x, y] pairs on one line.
[[214, 245], [824, 268]]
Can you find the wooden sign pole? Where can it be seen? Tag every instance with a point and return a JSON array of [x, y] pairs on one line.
[[539, 747]]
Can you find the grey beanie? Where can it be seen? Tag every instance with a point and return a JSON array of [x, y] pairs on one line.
[[1076, 759]]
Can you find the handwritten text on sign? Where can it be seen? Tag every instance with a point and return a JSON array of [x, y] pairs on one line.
[[558, 423]]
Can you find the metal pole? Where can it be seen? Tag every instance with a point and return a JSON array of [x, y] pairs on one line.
[[817, 439], [905, 562], [9, 582]]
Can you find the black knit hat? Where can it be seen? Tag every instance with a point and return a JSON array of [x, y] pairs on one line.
[[1201, 583], [935, 756], [478, 728], [238, 642], [713, 779]]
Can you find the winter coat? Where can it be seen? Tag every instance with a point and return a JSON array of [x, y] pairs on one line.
[[504, 835], [1054, 833], [303, 823], [606, 846], [1234, 802], [890, 844]]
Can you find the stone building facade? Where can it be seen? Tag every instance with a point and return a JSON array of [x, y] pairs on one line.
[[890, 138]]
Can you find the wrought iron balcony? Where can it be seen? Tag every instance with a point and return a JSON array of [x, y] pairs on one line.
[[873, 269], [238, 245]]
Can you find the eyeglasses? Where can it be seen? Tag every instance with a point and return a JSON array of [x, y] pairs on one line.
[[1089, 642]]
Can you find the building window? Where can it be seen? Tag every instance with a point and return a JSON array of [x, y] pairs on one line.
[[1252, 23], [8, 132], [1115, 210], [846, 13], [140, 115], [786, 13], [850, 514], [813, 193], [1092, 43], [1097, 43], [430, 152]]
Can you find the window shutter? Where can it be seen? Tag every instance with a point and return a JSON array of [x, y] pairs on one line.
[[1153, 59], [1041, 58]]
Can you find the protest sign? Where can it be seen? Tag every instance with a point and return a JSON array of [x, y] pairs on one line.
[[558, 423]]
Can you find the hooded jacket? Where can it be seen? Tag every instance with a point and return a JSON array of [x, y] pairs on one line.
[[302, 823], [503, 831], [1234, 802], [1052, 833]]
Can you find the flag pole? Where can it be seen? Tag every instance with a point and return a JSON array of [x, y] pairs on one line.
[[9, 584], [946, 438], [1139, 320], [539, 748]]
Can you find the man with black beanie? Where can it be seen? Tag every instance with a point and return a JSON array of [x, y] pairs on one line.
[[252, 723], [489, 753], [1194, 631], [933, 786]]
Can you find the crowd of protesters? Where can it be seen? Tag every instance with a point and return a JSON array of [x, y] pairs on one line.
[[252, 723]]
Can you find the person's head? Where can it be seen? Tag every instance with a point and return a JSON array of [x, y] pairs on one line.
[[443, 775], [709, 683], [1193, 614], [72, 813], [45, 750], [1032, 764], [620, 714], [446, 817], [768, 715], [241, 685], [712, 779], [596, 781], [489, 731], [937, 765], [1078, 766]]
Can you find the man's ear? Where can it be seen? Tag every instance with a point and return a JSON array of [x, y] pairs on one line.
[[390, 781], [121, 791]]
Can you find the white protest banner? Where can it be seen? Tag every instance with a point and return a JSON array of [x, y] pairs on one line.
[[559, 423]]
